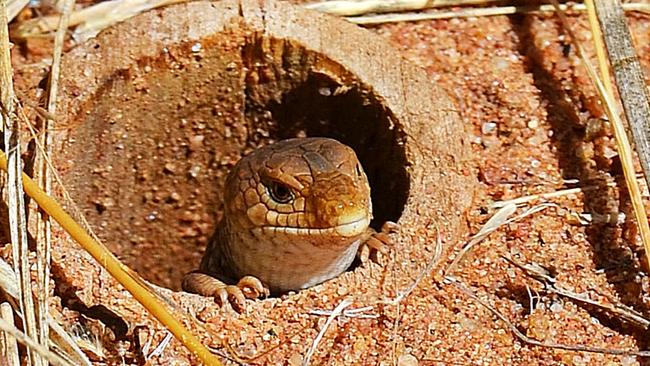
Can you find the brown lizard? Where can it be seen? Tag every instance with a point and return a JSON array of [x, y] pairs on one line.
[[296, 213]]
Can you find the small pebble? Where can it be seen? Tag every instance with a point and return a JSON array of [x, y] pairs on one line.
[[152, 216], [407, 360], [535, 163], [488, 127], [170, 168], [195, 170], [556, 307], [325, 91]]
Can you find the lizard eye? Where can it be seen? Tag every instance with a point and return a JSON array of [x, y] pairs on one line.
[[279, 192]]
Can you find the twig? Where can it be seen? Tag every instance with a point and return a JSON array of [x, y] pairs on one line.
[[479, 12], [15, 197], [627, 72], [14, 7], [125, 276], [359, 7], [43, 224], [160, 348], [541, 196], [534, 342], [92, 19], [554, 194], [586, 218], [336, 312], [10, 346], [348, 313], [543, 276], [622, 143], [31, 344], [499, 219]]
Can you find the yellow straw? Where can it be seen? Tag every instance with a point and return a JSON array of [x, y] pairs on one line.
[[119, 271]]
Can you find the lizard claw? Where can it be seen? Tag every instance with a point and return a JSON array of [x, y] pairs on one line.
[[252, 287], [206, 285], [230, 294], [377, 243]]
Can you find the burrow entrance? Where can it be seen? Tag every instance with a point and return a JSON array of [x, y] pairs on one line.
[[145, 156]]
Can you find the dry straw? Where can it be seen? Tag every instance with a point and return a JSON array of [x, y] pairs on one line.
[[15, 198], [605, 91], [119, 271]]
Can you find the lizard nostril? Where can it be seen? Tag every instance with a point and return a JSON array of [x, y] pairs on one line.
[[358, 170]]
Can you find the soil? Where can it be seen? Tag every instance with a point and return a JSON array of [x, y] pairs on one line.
[[534, 124]]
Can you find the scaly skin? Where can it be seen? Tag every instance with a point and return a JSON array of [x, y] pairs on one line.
[[295, 214]]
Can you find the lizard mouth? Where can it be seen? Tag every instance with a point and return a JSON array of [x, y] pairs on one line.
[[351, 226]]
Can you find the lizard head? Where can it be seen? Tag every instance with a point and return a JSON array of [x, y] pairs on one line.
[[307, 186]]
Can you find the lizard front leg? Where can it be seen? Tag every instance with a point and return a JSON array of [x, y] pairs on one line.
[[377, 243]]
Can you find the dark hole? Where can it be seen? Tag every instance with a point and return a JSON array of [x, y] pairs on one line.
[[316, 107]]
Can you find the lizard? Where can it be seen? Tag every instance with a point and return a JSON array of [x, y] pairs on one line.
[[296, 213]]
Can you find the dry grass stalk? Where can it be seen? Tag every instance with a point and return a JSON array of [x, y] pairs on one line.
[[91, 20], [52, 169], [14, 7], [545, 277], [628, 75], [9, 346], [335, 313], [622, 143], [499, 219], [43, 224], [359, 7], [479, 12], [554, 194], [534, 342], [59, 337], [15, 198], [140, 290], [32, 345]]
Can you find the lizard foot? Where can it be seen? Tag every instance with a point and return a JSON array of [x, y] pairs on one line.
[[377, 243], [203, 284]]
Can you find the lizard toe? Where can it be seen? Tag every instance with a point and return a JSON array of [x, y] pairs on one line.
[[252, 287]]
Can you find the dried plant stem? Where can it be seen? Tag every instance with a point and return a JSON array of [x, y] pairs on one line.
[[43, 224], [524, 338], [31, 344], [95, 17], [627, 72], [15, 198], [622, 143], [119, 271], [500, 218], [358, 7], [14, 7], [68, 348], [9, 346], [478, 12], [336, 312]]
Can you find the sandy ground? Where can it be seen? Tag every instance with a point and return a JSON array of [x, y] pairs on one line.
[[535, 129]]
